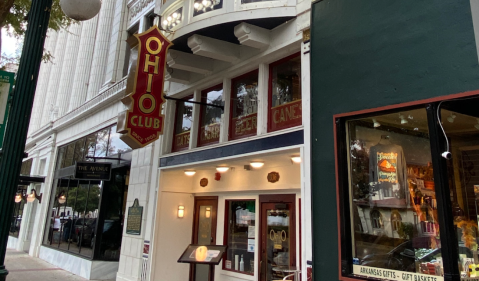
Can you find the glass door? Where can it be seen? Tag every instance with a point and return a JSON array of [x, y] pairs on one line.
[[278, 237], [204, 232]]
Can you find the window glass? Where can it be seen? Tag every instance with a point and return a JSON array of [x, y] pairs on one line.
[[183, 121], [461, 125], [116, 145], [244, 105], [285, 93], [204, 6], [79, 152], [60, 156], [210, 116], [394, 220], [240, 235], [26, 167], [18, 212], [69, 152], [90, 146], [102, 142]]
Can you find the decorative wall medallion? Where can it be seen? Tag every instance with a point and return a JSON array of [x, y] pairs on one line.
[[204, 182], [273, 177], [217, 176]]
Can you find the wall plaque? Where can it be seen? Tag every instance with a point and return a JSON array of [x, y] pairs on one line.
[[133, 222], [273, 177], [204, 182], [92, 171]]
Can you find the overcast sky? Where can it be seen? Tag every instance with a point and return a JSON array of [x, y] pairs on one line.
[[9, 44]]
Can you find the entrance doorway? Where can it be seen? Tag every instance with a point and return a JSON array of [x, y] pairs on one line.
[[204, 232], [278, 236]]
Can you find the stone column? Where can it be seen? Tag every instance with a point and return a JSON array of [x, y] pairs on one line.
[[102, 42], [68, 69], [54, 79], [83, 63], [42, 86]]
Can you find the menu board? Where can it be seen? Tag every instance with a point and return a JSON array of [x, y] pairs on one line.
[[203, 254]]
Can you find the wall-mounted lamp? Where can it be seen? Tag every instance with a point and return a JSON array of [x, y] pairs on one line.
[[62, 198], [257, 164], [19, 196], [296, 159], [33, 195], [376, 123], [451, 118], [190, 172], [403, 119], [181, 211], [208, 212], [222, 169]]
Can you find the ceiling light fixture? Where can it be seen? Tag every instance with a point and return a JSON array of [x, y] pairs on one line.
[[190, 172], [296, 159], [222, 169], [376, 123], [257, 164], [451, 118]]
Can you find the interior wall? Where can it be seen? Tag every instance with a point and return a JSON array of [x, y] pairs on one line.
[[172, 237]]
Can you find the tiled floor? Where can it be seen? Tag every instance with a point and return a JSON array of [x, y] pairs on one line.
[[22, 267]]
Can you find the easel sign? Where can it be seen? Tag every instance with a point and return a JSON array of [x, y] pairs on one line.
[[203, 254]]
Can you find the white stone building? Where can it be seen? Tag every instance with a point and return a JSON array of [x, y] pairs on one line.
[[250, 57]]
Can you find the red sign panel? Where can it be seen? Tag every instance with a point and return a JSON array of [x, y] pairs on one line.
[[285, 116], [244, 126], [143, 122]]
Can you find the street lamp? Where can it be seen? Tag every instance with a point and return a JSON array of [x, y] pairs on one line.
[[19, 118], [80, 10]]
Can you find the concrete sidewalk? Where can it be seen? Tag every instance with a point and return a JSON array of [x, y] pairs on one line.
[[22, 267]]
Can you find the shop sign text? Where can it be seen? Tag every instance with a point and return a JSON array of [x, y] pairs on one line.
[[388, 274], [92, 171], [286, 115]]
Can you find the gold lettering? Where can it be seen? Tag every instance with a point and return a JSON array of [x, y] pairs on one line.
[[139, 121], [276, 121], [148, 87], [148, 47], [290, 112], [143, 108], [146, 122], [156, 124], [149, 63], [282, 118], [133, 122]]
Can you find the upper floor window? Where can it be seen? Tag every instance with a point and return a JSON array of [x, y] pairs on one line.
[[285, 93], [203, 6], [183, 121], [396, 220], [210, 117], [244, 105], [376, 220]]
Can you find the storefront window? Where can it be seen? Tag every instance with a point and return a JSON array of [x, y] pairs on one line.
[[240, 236], [116, 145], [183, 121], [461, 125], [285, 93], [204, 6], [393, 209], [101, 149], [210, 116], [26, 167], [244, 105]]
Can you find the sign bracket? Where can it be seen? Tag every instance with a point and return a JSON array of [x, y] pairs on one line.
[[196, 102]]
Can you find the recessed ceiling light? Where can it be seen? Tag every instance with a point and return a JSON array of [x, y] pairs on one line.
[[222, 169], [257, 164], [190, 172]]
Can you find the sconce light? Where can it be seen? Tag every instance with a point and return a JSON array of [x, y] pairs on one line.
[[208, 212], [181, 211], [33, 195], [190, 172], [257, 164], [451, 118], [296, 159], [19, 196], [62, 198], [403, 119], [222, 169], [376, 123]]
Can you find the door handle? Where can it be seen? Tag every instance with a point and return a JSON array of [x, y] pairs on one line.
[[260, 267], [211, 239]]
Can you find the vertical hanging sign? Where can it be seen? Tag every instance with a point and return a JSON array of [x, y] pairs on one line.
[[6, 86], [143, 122]]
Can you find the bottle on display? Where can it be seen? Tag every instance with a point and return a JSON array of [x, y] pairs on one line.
[[241, 264]]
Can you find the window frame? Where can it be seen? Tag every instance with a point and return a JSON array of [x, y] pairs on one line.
[[449, 247], [175, 123], [231, 123], [200, 119], [270, 94]]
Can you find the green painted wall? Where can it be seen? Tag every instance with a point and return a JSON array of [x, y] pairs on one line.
[[371, 53]]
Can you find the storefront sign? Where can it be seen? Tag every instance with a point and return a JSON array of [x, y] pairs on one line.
[[210, 133], [6, 86], [143, 122], [244, 126], [133, 222], [286, 115], [92, 171], [273, 177], [381, 273]]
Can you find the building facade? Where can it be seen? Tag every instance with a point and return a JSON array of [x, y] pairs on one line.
[[230, 168]]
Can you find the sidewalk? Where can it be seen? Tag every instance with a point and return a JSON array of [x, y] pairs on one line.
[[22, 267]]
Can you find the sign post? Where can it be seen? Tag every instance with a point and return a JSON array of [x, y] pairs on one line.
[[6, 86], [143, 122]]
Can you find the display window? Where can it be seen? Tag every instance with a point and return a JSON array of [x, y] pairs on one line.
[[210, 117], [244, 105], [285, 108], [183, 122], [240, 236], [407, 192]]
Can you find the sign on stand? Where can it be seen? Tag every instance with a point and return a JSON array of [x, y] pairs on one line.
[[6, 87]]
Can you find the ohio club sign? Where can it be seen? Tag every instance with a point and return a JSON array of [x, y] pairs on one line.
[[143, 122]]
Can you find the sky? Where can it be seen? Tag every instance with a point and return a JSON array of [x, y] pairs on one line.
[[9, 44]]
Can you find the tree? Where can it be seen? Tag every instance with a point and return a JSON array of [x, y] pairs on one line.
[[13, 17], [83, 200]]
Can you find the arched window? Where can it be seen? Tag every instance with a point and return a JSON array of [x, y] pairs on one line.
[[376, 220], [396, 220]]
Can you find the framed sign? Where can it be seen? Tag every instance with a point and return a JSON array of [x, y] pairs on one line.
[[6, 86], [133, 222], [92, 171], [203, 254]]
